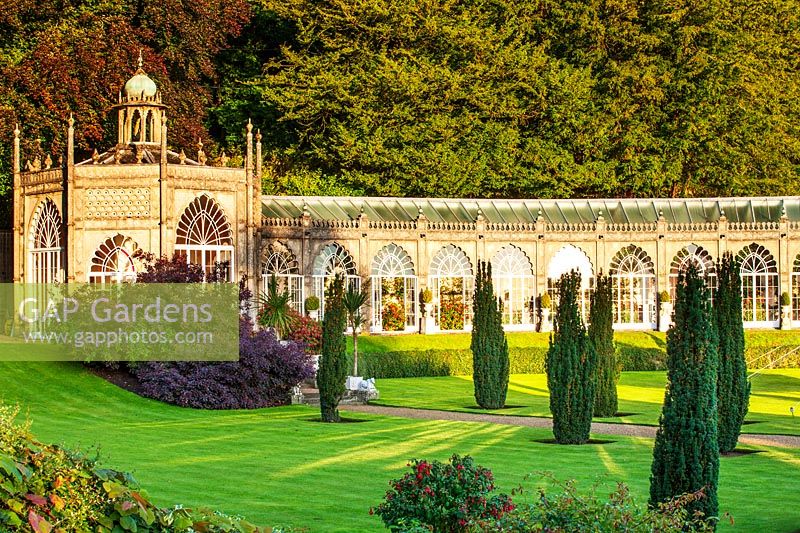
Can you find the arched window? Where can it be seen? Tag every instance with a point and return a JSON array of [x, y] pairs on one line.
[[633, 278], [112, 262], [693, 255], [394, 290], [279, 261], [45, 259], [451, 281], [570, 258], [205, 237], [333, 259], [760, 305], [514, 282]]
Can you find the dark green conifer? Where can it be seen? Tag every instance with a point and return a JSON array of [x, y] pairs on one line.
[[686, 452], [733, 388], [490, 363], [601, 335], [333, 363], [571, 367]]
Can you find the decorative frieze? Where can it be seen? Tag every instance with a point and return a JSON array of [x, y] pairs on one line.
[[117, 203]]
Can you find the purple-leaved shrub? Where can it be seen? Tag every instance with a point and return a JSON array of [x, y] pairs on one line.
[[263, 376]]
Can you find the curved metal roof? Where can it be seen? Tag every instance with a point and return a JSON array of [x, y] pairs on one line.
[[617, 211]]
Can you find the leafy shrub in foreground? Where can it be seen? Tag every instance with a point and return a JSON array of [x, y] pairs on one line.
[[262, 377], [443, 497], [46, 488], [569, 511]]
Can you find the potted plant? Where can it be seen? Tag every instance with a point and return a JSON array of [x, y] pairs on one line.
[[312, 307], [665, 315], [786, 311], [545, 303], [425, 299]]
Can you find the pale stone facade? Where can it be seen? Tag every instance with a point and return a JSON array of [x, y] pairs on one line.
[[90, 220]]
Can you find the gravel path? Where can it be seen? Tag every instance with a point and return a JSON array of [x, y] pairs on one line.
[[630, 430]]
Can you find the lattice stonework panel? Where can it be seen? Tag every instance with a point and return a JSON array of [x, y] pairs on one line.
[[117, 203]]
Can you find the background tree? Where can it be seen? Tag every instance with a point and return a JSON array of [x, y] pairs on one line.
[[571, 366], [490, 364], [333, 362], [62, 57], [733, 388], [354, 301], [686, 452], [601, 335]]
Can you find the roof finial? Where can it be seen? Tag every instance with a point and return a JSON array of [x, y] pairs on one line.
[[249, 126], [141, 61], [16, 130]]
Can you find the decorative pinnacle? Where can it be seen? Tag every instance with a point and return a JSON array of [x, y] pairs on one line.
[[258, 135], [249, 127], [16, 130], [141, 61], [71, 121]]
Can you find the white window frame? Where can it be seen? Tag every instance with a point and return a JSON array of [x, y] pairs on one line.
[[333, 259], [568, 258], [759, 270], [633, 281], [116, 251], [515, 284], [701, 258], [392, 264], [205, 237], [452, 265], [46, 250]]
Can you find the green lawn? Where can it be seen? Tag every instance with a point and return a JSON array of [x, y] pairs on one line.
[[640, 397], [274, 466]]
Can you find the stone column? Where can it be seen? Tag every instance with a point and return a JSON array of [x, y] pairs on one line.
[[19, 208], [163, 207], [71, 262]]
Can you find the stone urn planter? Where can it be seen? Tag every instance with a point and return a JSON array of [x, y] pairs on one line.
[[665, 317], [786, 311], [786, 317], [546, 324]]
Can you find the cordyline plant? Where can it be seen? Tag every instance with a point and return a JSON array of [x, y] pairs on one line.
[[276, 312], [446, 498], [354, 300]]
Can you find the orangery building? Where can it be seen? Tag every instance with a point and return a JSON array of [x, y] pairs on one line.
[[91, 220]]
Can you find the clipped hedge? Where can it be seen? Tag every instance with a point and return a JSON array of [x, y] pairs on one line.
[[636, 351]]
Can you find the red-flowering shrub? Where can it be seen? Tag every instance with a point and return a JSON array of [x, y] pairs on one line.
[[447, 498], [306, 331], [451, 315], [393, 317], [262, 377]]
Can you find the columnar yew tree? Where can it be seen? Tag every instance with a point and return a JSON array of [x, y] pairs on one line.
[[601, 335], [333, 363], [489, 345], [571, 367], [733, 389], [686, 453]]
